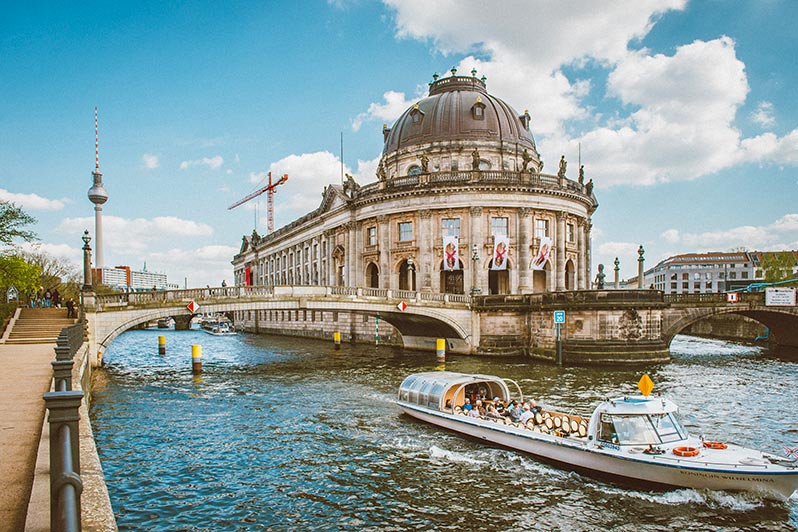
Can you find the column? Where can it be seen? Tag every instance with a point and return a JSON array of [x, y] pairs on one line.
[[384, 240], [351, 254], [588, 251], [477, 237], [582, 250], [524, 273], [426, 262], [560, 236], [358, 275]]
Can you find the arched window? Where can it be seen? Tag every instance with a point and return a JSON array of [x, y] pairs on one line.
[[414, 170], [372, 276], [478, 110]]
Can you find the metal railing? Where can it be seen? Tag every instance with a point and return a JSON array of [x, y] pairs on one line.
[[63, 406]]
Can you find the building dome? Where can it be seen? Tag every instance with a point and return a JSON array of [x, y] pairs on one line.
[[458, 115]]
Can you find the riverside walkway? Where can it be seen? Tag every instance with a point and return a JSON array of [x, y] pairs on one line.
[[25, 374]]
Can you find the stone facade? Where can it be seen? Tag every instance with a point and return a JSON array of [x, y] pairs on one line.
[[459, 163]]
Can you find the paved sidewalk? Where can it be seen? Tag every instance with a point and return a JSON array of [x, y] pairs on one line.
[[25, 374]]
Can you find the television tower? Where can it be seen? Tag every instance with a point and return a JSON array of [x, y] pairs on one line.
[[98, 196]]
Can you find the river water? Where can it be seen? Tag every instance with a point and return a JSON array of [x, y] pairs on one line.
[[288, 434]]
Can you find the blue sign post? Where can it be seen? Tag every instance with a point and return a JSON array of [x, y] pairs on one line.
[[559, 319]]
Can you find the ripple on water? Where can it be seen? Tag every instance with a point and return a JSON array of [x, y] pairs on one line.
[[286, 434]]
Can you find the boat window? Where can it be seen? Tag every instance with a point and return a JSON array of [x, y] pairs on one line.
[[435, 395], [423, 393], [634, 430], [668, 427]]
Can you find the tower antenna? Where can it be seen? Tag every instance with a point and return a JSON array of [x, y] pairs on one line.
[[97, 195]]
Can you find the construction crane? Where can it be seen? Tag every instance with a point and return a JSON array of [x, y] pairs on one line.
[[269, 202]]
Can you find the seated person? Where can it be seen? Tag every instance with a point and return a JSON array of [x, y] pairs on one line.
[[493, 413], [526, 415], [499, 405], [467, 406], [474, 412], [478, 406], [515, 412]]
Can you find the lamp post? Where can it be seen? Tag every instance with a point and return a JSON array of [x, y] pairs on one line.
[[411, 270], [640, 267], [617, 273], [87, 282], [475, 260]]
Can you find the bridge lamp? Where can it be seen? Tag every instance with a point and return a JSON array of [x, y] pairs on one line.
[[86, 261]]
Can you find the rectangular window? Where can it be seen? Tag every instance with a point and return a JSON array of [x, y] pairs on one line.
[[744, 275], [455, 165], [499, 226], [673, 287], [569, 232], [450, 227], [371, 238], [405, 231], [732, 275], [541, 228]]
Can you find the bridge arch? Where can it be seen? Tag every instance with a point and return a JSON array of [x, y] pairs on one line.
[[782, 324]]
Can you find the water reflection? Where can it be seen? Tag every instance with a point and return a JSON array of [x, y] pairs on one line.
[[287, 434]]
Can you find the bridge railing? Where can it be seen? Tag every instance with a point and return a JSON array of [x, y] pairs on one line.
[[161, 297], [715, 298], [63, 406]]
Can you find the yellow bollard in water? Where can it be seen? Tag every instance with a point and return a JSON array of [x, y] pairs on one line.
[[440, 348], [196, 359], [337, 340], [162, 345]]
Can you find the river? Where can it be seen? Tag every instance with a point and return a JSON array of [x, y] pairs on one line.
[[288, 434]]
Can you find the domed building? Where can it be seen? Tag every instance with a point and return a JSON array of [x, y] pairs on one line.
[[460, 205]]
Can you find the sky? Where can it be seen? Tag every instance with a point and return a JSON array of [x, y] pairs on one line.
[[684, 113]]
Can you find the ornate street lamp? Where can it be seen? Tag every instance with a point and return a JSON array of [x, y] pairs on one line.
[[87, 282], [475, 260]]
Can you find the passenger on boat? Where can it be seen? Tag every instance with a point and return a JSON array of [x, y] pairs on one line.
[[499, 404], [493, 413], [515, 412], [527, 415], [479, 407], [474, 412], [467, 406]]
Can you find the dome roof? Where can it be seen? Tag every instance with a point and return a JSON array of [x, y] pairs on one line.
[[459, 108]]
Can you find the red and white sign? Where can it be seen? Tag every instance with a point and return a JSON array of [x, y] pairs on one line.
[[192, 307], [402, 306], [731, 297]]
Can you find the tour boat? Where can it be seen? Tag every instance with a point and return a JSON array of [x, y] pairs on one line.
[[218, 326], [638, 439]]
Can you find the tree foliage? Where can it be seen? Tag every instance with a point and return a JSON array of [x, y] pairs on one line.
[[12, 222], [55, 273], [17, 272], [778, 266]]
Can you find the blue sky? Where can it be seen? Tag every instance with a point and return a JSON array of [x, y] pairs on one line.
[[685, 113]]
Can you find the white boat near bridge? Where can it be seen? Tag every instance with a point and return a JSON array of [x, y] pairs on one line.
[[636, 439]]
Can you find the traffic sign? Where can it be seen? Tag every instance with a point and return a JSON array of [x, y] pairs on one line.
[[731, 297], [559, 316], [193, 307], [402, 306]]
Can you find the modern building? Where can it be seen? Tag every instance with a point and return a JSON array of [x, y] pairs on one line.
[[125, 279], [701, 273], [459, 205]]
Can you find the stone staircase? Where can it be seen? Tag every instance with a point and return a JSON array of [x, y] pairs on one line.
[[38, 326]]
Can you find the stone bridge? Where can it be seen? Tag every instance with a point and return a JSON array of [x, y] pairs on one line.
[[602, 326]]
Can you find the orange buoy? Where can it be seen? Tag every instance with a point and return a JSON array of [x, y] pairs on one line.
[[685, 451], [715, 445]]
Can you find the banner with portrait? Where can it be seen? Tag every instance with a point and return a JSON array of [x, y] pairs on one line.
[[451, 254], [543, 254], [501, 248]]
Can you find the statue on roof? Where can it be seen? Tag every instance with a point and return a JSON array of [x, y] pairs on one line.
[[582, 174], [381, 172], [589, 187], [424, 162], [475, 159], [526, 158], [563, 165]]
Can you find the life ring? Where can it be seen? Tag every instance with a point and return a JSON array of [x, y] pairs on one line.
[[685, 451], [715, 445]]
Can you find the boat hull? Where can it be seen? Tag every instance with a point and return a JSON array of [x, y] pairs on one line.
[[667, 470]]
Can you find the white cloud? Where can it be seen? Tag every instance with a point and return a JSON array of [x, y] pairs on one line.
[[764, 115], [395, 104], [676, 119], [214, 163], [206, 265], [150, 161], [781, 234], [73, 254], [308, 174], [134, 236], [32, 202], [617, 249]]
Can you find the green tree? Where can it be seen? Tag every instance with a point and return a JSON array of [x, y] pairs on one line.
[[778, 266], [16, 272], [12, 222], [55, 273]]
